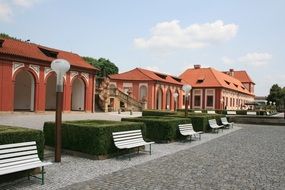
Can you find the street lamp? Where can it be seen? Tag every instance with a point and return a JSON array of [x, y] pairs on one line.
[[175, 95], [186, 88], [60, 67]]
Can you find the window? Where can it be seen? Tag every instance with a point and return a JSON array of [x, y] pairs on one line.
[[197, 100], [210, 101]]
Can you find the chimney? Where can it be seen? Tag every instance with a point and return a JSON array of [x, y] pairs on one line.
[[197, 66], [1, 42], [231, 73]]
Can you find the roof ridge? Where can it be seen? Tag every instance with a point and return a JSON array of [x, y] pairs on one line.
[[140, 70], [212, 69]]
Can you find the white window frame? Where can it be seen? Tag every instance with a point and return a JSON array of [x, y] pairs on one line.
[[197, 92], [214, 98]]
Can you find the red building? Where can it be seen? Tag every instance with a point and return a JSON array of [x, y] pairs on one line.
[[28, 83], [212, 89], [153, 88]]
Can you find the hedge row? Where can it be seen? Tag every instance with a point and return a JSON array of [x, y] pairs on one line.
[[93, 137], [161, 129], [9, 134], [239, 112], [157, 113]]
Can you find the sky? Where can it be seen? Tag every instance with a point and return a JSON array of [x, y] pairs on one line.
[[167, 36]]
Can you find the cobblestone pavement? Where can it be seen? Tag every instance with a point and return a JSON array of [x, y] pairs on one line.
[[75, 169], [250, 158], [36, 120]]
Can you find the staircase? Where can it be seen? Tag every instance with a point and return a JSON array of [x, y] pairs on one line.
[[128, 100]]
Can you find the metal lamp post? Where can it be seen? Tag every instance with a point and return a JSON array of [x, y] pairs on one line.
[[186, 88], [60, 67], [175, 95]]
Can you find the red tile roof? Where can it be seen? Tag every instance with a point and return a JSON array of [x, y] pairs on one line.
[[209, 77], [242, 76], [30, 50], [139, 74]]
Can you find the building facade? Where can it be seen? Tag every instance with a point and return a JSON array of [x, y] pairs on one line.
[[212, 89], [155, 90], [27, 82]]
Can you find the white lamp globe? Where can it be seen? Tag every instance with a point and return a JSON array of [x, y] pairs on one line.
[[186, 88], [175, 95], [60, 67]]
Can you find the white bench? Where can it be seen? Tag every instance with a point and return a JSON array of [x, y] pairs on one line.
[[251, 113], [197, 111], [231, 112], [18, 157], [211, 112], [214, 126], [130, 139], [187, 130], [226, 123]]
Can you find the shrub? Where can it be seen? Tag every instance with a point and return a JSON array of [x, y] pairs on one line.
[[93, 137], [9, 134], [157, 113], [161, 129]]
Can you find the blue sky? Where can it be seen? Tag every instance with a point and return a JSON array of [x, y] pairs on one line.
[[163, 35]]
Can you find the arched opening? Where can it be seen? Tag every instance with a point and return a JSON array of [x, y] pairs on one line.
[[177, 100], [143, 93], [159, 99], [51, 93], [168, 100], [78, 95], [24, 92]]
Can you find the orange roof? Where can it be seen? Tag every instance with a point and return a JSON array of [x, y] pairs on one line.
[[209, 77], [139, 74], [242, 76], [33, 51]]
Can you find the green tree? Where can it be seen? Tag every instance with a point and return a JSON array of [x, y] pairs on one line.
[[105, 65], [5, 36], [277, 94]]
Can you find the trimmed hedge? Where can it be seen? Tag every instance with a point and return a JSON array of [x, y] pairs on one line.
[[92, 137], [157, 113], [161, 129], [10, 134]]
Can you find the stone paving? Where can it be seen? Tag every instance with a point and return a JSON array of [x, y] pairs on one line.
[[250, 158], [75, 169], [36, 120]]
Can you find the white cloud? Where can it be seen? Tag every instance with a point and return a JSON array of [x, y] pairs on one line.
[[227, 60], [172, 35], [25, 3], [256, 59], [5, 12], [8, 7]]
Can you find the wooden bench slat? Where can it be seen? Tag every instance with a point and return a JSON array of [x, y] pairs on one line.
[[15, 163], [18, 158], [5, 151], [125, 132], [126, 138], [4, 146], [24, 167], [18, 154], [126, 135]]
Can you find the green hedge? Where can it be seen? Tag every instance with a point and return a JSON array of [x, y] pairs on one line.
[[9, 134], [157, 113], [161, 129], [92, 137]]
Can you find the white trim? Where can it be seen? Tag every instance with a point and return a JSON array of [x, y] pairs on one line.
[[16, 66], [73, 74], [86, 76], [35, 68], [113, 83], [127, 85], [201, 98], [214, 96], [47, 71]]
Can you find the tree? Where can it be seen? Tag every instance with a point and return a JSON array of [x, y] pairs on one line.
[[7, 36], [105, 65], [277, 94]]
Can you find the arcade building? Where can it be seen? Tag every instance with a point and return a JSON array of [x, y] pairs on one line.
[[27, 82]]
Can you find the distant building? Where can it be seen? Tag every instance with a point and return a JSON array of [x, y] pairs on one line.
[[212, 89], [152, 88], [27, 82]]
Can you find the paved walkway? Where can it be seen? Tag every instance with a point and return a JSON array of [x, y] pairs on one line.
[[36, 120], [250, 158], [246, 157]]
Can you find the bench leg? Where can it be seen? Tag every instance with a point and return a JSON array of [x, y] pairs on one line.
[[29, 176], [150, 149], [43, 175], [129, 154]]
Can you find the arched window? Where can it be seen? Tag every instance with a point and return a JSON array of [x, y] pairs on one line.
[[159, 99], [51, 93], [143, 93], [78, 95], [24, 92]]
